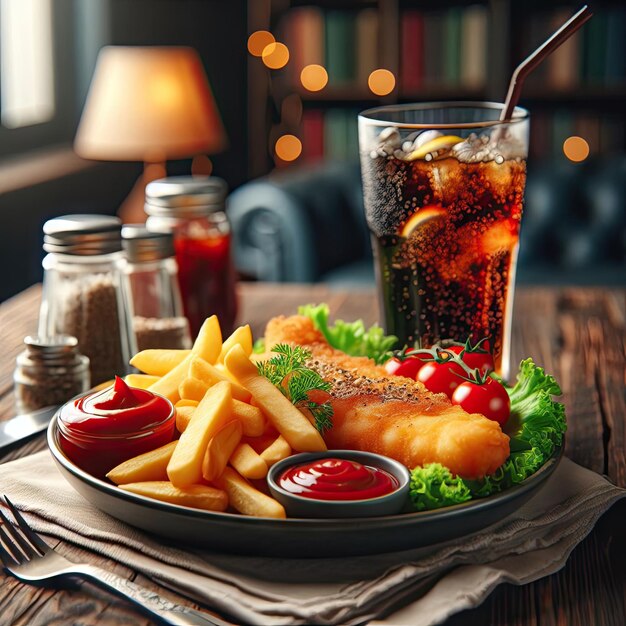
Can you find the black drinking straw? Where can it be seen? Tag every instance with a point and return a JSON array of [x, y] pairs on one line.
[[533, 60]]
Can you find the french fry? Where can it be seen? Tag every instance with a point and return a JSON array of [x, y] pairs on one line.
[[247, 462], [277, 451], [192, 389], [196, 496], [210, 375], [140, 381], [246, 499], [251, 418], [259, 444], [299, 433], [158, 362], [168, 384], [241, 336], [220, 448], [180, 403], [185, 466], [183, 417], [150, 466], [208, 343]]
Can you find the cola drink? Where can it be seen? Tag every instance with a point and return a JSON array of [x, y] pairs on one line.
[[444, 208]]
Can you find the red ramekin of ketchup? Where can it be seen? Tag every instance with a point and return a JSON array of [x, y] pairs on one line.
[[100, 430], [339, 483]]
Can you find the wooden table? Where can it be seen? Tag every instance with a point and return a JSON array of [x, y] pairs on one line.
[[576, 333]]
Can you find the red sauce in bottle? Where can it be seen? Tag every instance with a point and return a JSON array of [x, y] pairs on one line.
[[100, 430], [337, 479], [206, 277]]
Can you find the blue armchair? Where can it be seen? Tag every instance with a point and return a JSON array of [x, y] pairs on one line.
[[308, 225]]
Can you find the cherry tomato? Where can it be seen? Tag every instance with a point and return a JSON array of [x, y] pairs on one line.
[[408, 365], [475, 357], [489, 398], [441, 377]]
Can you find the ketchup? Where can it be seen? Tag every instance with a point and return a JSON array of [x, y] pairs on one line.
[[207, 280], [337, 479], [100, 430]]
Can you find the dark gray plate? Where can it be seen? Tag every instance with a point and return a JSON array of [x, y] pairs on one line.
[[297, 538]]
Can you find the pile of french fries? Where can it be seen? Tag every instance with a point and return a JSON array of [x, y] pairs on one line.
[[233, 423]]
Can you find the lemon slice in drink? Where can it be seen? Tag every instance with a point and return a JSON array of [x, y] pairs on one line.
[[420, 218], [445, 142]]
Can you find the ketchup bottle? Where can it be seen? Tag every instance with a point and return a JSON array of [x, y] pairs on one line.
[[192, 209]]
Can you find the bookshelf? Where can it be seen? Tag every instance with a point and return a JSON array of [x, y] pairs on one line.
[[449, 50]]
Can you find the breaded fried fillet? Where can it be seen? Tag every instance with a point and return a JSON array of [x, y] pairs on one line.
[[392, 415]]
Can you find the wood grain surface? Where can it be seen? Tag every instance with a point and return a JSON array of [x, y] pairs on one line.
[[578, 334]]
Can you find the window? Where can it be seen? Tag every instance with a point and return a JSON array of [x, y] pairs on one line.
[[26, 71], [38, 103]]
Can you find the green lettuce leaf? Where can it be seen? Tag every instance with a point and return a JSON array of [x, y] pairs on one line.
[[433, 486], [537, 426], [351, 337]]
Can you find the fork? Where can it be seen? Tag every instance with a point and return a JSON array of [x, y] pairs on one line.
[[31, 560]]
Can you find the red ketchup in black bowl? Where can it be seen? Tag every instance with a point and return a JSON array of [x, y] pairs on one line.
[[339, 483], [102, 429], [337, 479]]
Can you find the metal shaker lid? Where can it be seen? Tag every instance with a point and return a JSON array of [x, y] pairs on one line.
[[185, 196], [141, 244], [83, 234]]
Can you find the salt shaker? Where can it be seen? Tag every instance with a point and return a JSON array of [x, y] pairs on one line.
[[84, 293], [152, 274], [49, 372], [192, 209]]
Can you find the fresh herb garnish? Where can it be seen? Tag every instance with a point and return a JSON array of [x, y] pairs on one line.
[[287, 371]]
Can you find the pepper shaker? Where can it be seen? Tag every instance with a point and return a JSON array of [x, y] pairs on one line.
[[84, 293], [49, 372], [152, 273]]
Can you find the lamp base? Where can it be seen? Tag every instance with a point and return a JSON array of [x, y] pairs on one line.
[[131, 210]]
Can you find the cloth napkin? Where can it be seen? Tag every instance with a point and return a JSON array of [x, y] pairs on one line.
[[430, 583]]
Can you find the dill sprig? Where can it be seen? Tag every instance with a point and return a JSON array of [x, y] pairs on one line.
[[287, 371]]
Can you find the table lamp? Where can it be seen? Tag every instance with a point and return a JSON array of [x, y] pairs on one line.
[[148, 104]]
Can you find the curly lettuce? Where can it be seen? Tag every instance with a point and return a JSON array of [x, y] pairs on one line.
[[536, 427], [351, 337]]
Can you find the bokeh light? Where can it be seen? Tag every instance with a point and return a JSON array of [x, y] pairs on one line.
[[275, 55], [381, 82], [258, 41], [288, 148], [314, 77], [576, 149], [201, 165]]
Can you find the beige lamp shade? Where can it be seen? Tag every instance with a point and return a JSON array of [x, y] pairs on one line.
[[149, 104]]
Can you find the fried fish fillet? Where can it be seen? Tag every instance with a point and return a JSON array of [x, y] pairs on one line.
[[392, 415]]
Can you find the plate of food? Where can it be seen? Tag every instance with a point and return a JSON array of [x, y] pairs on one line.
[[363, 454]]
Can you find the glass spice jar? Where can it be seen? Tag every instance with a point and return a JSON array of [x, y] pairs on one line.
[[192, 209], [49, 372], [152, 273], [84, 293]]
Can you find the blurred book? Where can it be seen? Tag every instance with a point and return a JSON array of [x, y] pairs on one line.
[[451, 52], [411, 51], [366, 44], [473, 49], [340, 47], [562, 65], [312, 132], [304, 37], [615, 69], [594, 52], [433, 47]]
